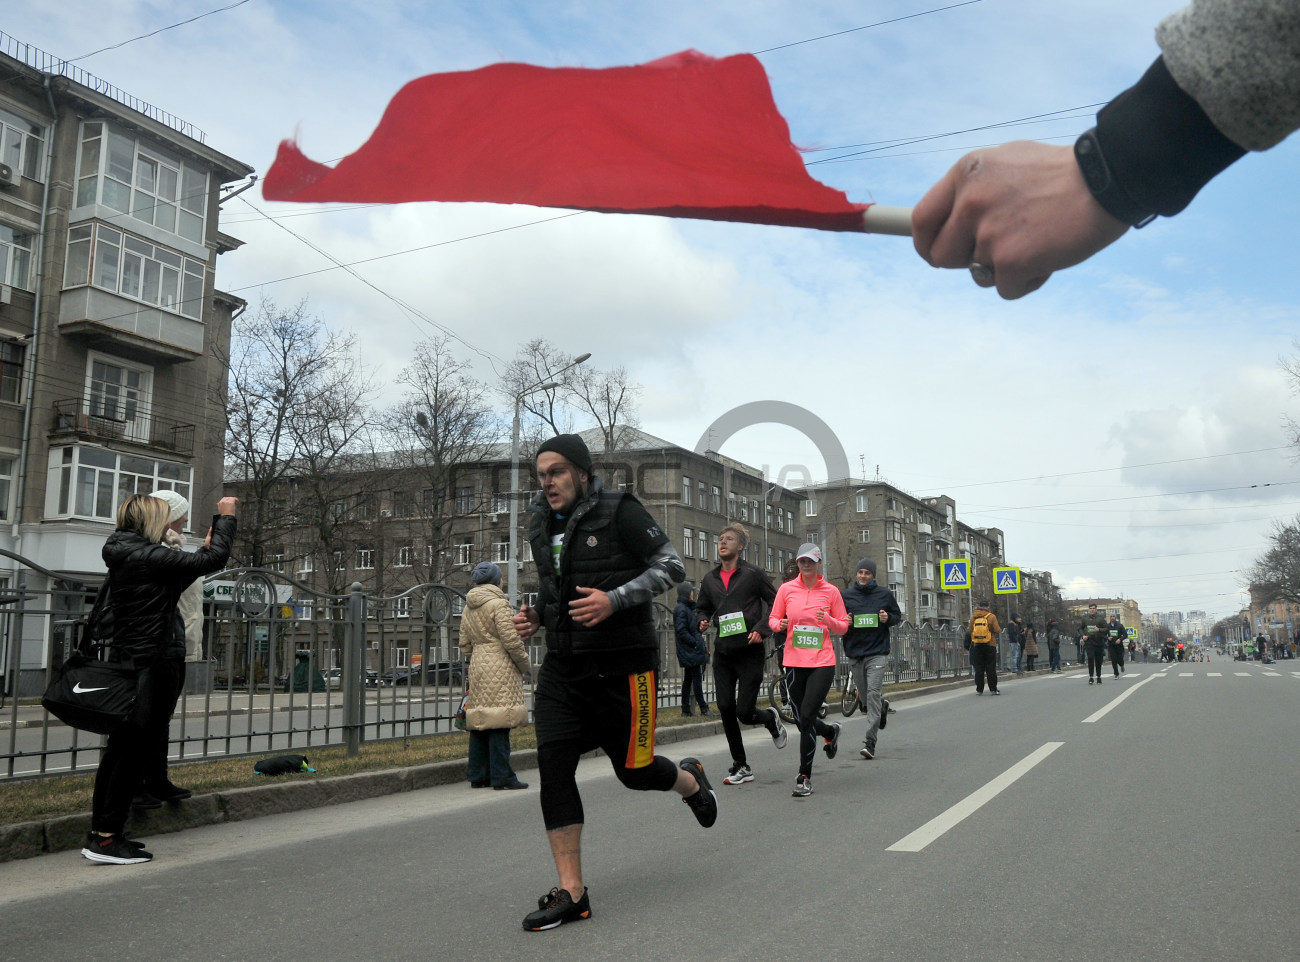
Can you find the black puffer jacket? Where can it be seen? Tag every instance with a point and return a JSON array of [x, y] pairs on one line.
[[146, 579]]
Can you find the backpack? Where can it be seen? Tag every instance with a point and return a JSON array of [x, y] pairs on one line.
[[979, 630]]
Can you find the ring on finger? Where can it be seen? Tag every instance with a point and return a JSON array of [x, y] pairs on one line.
[[981, 274]]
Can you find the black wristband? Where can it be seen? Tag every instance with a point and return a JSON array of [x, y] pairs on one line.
[[1113, 198]]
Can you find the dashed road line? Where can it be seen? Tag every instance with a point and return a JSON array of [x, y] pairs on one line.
[[941, 824]]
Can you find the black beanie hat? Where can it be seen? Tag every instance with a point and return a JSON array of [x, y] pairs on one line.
[[869, 564], [684, 591], [572, 448]]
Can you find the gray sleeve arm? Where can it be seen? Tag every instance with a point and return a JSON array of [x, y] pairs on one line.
[[666, 569], [1240, 61]]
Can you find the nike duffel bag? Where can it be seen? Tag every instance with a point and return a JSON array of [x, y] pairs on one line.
[[92, 695]]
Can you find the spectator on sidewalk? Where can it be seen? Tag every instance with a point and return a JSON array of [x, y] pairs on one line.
[[692, 650], [1053, 646], [498, 664]]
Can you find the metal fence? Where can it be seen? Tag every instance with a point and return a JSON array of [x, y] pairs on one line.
[[285, 667]]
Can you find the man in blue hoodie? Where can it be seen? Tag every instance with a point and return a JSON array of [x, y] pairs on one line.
[[872, 609]]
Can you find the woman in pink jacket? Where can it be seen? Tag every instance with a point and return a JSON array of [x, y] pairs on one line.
[[808, 609]]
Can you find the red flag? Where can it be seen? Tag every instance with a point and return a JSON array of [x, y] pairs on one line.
[[685, 136]]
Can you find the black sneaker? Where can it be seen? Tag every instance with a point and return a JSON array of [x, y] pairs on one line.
[[884, 713], [833, 743], [113, 850], [868, 750], [556, 908], [168, 793], [703, 803], [143, 799]]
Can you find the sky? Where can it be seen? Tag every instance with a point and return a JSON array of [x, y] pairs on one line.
[[1124, 426]]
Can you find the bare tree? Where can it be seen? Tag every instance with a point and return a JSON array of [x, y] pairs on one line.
[[297, 415], [437, 432], [610, 398], [1275, 575], [542, 413]]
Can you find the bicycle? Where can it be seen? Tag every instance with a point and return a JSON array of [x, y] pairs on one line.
[[778, 691]]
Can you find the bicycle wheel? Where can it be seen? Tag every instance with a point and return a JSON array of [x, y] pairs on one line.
[[779, 696], [849, 700]]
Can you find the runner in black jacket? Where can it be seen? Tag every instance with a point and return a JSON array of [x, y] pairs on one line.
[[734, 597], [873, 610]]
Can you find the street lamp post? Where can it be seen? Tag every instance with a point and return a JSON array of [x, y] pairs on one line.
[[512, 567]]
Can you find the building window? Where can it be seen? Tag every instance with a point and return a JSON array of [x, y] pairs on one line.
[[306, 565], [462, 553], [403, 557], [894, 561], [688, 543], [305, 610], [428, 556], [731, 504], [118, 392], [717, 499], [500, 552], [715, 548], [686, 490], [894, 531], [744, 510], [365, 559], [11, 370], [771, 559], [501, 503], [860, 503], [703, 538], [403, 504], [15, 257], [22, 144], [6, 485], [338, 562], [927, 599], [275, 558], [864, 536], [402, 607], [464, 500], [927, 571], [810, 508], [90, 482], [135, 268], [134, 178]]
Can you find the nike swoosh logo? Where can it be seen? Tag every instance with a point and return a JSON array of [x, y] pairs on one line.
[[78, 690]]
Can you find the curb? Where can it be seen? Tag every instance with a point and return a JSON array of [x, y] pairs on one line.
[[295, 794]]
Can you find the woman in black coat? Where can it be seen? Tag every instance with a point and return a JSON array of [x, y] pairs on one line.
[[145, 579]]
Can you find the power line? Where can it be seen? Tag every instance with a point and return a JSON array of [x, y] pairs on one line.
[[1132, 497], [841, 33], [154, 33]]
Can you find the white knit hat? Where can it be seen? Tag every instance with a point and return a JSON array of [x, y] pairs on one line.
[[180, 508]]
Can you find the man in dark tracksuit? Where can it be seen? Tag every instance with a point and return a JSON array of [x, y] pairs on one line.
[[735, 597], [872, 610], [601, 559], [1116, 637], [1093, 632], [983, 637]]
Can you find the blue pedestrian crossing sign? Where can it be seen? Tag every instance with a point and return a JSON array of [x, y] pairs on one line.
[[1006, 581], [956, 574], [1132, 633]]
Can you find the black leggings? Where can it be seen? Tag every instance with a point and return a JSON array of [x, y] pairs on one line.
[[1095, 658], [137, 749], [808, 690], [576, 710], [737, 677]]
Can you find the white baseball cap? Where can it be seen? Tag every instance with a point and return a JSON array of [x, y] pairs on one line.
[[809, 550]]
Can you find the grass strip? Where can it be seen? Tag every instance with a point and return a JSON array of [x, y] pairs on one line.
[[29, 800]]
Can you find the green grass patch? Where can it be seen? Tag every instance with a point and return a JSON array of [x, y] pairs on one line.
[[33, 799]]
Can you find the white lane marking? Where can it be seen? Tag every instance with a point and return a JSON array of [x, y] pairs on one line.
[[1272, 674], [1186, 674], [941, 824], [1101, 712], [1214, 674], [1242, 674]]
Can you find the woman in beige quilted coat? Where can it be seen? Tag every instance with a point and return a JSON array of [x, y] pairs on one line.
[[498, 662]]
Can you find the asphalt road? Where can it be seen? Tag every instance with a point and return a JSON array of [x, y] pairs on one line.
[[1148, 819]]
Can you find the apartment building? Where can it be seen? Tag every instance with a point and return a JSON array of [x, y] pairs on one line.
[[112, 329], [908, 536]]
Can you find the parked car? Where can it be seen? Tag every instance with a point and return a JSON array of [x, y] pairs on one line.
[[334, 678], [437, 673]]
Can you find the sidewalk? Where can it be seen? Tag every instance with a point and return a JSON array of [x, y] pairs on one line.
[[291, 793]]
